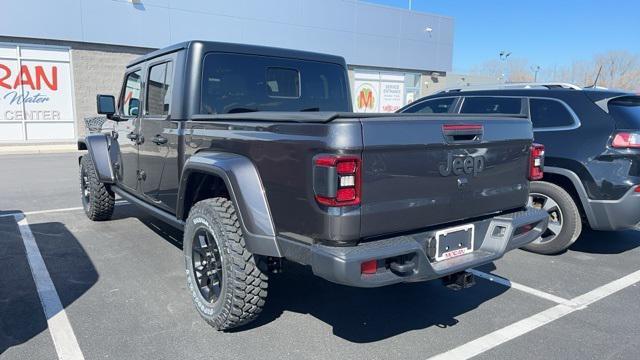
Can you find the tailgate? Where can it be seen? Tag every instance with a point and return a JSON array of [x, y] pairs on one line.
[[418, 174]]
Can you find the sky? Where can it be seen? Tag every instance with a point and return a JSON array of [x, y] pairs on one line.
[[544, 32]]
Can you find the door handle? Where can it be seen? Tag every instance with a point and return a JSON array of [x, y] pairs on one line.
[[160, 140]]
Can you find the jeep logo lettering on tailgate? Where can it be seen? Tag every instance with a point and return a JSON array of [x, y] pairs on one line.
[[470, 165]]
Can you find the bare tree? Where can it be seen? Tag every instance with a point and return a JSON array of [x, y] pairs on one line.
[[620, 70], [512, 70]]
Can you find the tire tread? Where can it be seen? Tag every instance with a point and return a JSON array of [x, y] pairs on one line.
[[247, 283], [102, 199]]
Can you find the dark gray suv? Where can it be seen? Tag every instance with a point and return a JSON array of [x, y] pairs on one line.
[[592, 145]]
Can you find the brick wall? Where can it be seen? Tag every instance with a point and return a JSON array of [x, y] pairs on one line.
[[98, 69]]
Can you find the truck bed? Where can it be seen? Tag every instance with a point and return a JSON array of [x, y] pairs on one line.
[[403, 189]]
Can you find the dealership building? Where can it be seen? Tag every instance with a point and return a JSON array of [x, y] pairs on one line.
[[55, 56]]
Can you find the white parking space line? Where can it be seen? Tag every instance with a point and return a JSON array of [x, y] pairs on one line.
[[523, 288], [37, 212], [62, 334], [501, 336]]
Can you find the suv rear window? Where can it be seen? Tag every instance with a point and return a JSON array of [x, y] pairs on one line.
[[432, 106], [491, 105], [236, 83], [626, 112]]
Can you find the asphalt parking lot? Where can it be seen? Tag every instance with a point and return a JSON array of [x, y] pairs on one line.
[[121, 290]]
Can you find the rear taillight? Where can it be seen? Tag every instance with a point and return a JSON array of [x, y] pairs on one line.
[[625, 140], [637, 189], [336, 180], [536, 162]]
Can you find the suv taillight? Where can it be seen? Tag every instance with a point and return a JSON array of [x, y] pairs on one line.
[[336, 180], [536, 162], [626, 140]]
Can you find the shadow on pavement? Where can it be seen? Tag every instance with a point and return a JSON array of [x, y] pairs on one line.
[[607, 242], [367, 315], [355, 314], [71, 270], [164, 230]]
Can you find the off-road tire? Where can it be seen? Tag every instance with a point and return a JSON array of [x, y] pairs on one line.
[[243, 288], [571, 222], [101, 200]]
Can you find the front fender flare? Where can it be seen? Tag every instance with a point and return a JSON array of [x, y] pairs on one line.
[[246, 191], [98, 148]]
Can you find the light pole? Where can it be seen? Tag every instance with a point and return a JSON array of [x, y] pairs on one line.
[[410, 4], [504, 55], [535, 70]]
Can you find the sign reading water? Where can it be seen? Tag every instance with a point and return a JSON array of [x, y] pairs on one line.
[[36, 94]]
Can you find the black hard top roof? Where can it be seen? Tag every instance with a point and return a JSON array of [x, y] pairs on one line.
[[209, 46]]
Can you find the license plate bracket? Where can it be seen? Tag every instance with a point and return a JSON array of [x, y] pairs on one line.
[[454, 242]]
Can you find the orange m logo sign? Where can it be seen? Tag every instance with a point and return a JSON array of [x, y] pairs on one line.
[[365, 99]]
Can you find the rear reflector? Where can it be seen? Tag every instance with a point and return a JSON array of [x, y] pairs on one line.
[[536, 162], [369, 267], [625, 140]]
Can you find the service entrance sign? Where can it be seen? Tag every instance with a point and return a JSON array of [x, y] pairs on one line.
[[36, 94], [378, 91]]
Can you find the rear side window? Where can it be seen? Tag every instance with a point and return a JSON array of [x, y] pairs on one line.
[[130, 100], [433, 106], [549, 113], [491, 105], [626, 112], [236, 83], [159, 89]]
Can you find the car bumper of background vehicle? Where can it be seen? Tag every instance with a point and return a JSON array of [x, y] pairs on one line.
[[616, 215], [493, 237]]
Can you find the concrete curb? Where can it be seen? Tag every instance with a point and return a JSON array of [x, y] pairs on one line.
[[37, 149]]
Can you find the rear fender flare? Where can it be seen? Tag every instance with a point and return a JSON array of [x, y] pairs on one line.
[[246, 191], [98, 148], [577, 184]]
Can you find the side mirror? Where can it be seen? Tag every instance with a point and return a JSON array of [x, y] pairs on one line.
[[134, 106], [106, 105]]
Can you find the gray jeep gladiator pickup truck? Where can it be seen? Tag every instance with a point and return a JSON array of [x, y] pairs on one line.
[[254, 153]]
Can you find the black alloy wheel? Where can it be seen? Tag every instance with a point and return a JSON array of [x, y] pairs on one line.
[[207, 265]]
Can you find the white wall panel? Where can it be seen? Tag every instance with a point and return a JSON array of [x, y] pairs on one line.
[[210, 27], [50, 131], [299, 24], [36, 94], [8, 51], [10, 132], [124, 23], [59, 19]]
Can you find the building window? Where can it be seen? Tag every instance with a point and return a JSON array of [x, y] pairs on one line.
[[382, 91]]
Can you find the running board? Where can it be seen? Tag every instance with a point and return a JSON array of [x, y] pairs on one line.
[[152, 210]]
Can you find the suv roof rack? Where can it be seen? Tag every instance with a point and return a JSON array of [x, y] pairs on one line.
[[532, 85]]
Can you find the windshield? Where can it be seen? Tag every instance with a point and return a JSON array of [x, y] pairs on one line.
[[236, 83]]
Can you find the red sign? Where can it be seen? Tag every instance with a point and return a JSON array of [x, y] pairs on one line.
[[33, 78]]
